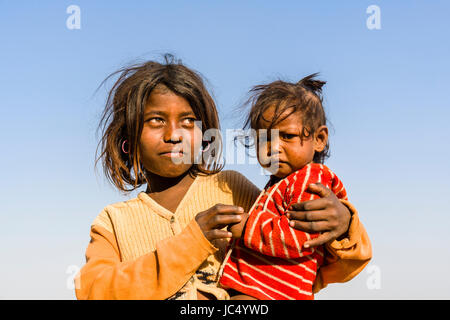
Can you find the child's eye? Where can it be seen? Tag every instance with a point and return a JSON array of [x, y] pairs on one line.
[[288, 136]]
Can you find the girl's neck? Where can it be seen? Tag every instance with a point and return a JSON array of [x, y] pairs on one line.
[[158, 184]]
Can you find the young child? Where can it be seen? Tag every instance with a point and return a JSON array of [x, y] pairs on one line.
[[269, 261]]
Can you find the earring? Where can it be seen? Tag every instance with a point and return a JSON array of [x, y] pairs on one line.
[[207, 148], [199, 157], [123, 147]]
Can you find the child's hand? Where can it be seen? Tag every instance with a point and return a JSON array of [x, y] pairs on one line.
[[216, 218], [237, 229]]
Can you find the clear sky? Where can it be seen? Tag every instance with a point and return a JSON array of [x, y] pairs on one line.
[[386, 97]]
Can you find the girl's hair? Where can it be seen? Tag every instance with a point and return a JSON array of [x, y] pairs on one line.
[[305, 97], [122, 118]]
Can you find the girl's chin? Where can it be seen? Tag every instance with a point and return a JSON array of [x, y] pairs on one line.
[[176, 172], [172, 171]]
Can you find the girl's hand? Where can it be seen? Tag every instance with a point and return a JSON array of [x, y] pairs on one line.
[[327, 215], [216, 218], [238, 228]]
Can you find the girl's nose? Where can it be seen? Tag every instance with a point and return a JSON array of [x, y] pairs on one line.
[[173, 134]]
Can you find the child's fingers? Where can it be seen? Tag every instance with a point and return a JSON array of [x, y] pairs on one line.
[[320, 240]]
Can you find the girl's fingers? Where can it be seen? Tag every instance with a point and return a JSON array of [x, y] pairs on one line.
[[320, 240], [310, 226], [316, 204], [226, 209], [223, 220], [319, 189], [217, 234], [307, 215]]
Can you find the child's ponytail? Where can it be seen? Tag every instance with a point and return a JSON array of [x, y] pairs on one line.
[[312, 84]]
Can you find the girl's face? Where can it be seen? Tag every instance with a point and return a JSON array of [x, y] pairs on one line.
[[287, 153], [169, 138]]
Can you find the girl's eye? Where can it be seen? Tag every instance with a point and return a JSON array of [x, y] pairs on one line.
[[189, 121], [155, 120], [159, 121]]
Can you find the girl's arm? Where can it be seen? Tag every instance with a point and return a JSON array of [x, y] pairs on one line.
[[348, 247], [156, 275], [345, 258]]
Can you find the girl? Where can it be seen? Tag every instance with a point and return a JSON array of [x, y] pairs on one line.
[[169, 241], [270, 260]]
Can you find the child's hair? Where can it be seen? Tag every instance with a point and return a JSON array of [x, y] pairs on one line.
[[305, 97], [122, 118]]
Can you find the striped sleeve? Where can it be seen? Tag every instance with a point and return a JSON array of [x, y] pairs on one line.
[[271, 235], [268, 230]]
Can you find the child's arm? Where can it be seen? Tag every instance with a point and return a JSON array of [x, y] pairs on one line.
[[156, 275], [271, 235], [269, 232]]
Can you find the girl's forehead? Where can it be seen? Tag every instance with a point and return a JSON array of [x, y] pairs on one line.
[[167, 102]]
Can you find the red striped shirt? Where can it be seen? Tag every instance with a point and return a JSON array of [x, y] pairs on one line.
[[269, 261]]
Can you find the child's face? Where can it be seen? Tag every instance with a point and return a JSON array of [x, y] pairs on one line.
[[287, 153], [169, 135]]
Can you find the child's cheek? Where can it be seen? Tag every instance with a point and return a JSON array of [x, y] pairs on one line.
[[261, 153]]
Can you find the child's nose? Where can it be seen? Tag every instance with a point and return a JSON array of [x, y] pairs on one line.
[[274, 147]]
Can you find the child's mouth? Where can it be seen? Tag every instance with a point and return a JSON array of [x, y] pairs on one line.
[[277, 161]]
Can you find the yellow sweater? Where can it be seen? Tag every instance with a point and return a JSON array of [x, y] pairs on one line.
[[141, 250]]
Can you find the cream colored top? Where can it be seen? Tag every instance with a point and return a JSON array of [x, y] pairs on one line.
[[141, 250]]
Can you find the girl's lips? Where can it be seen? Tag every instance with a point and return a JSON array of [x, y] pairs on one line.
[[173, 154]]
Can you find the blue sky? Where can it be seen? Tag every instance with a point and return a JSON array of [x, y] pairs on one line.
[[386, 97]]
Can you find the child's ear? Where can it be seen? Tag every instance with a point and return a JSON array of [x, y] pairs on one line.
[[320, 138]]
